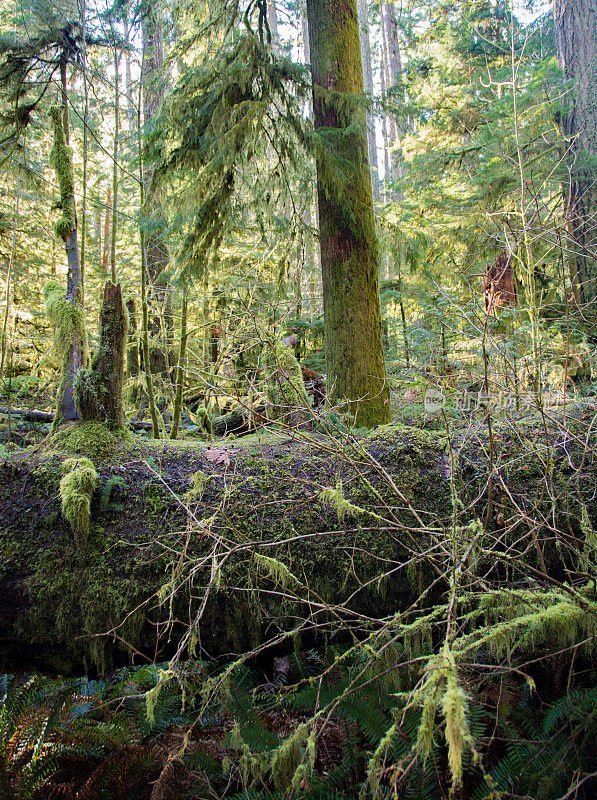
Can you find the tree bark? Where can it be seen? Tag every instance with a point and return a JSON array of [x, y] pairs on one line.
[[576, 43], [99, 390], [73, 351], [349, 257], [368, 84], [393, 75], [156, 251]]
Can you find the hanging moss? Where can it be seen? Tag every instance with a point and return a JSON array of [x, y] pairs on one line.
[[61, 159], [76, 489], [67, 318]]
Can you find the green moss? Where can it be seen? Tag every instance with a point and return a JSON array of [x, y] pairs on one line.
[[76, 489], [285, 387], [67, 318], [61, 158], [91, 439], [78, 604]]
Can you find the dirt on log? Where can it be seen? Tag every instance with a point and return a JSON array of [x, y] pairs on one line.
[[221, 547]]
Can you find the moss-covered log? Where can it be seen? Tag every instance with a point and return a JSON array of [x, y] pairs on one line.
[[272, 532]]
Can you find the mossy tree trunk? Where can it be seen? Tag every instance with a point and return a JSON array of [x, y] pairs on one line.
[[66, 320], [576, 42], [99, 390], [349, 256]]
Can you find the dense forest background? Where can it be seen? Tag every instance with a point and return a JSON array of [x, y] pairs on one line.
[[313, 506]]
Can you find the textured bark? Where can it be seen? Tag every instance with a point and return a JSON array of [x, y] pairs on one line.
[[576, 42], [99, 391], [156, 251], [75, 353], [368, 84], [133, 349], [272, 21], [385, 133], [349, 256], [128, 85], [393, 76], [115, 164], [312, 265]]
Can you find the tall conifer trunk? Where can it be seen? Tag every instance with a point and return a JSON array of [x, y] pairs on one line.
[[363, 13], [66, 312], [576, 41], [349, 258], [156, 251]]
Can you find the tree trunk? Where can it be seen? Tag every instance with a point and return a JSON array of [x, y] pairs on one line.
[[272, 21], [133, 349], [385, 132], [107, 218], [115, 164], [393, 74], [99, 390], [576, 42], [349, 258], [180, 367], [156, 251], [66, 313], [368, 84], [128, 86]]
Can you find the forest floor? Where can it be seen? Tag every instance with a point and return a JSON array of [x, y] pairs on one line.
[[301, 543]]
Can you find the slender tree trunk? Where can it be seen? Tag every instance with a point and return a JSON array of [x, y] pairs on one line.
[[83, 13], [368, 84], [66, 314], [156, 251], [180, 368], [272, 21], [155, 417], [385, 132], [11, 258], [97, 231], [132, 353], [576, 42], [115, 164], [312, 265], [128, 87], [393, 70], [349, 256], [107, 218]]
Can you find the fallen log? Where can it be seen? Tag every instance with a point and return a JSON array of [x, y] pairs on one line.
[[219, 545], [27, 415], [237, 421]]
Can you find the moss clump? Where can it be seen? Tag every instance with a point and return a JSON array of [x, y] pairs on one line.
[[90, 439], [67, 318], [61, 158], [76, 489]]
